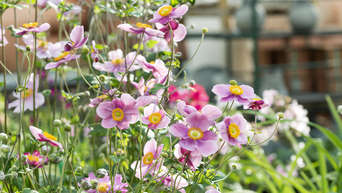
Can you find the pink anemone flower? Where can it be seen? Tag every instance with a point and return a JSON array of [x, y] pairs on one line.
[[234, 130], [166, 13], [141, 28], [242, 94], [195, 135], [178, 31], [25, 98], [40, 135], [191, 158], [159, 70], [211, 112], [150, 161], [33, 27], [35, 159], [154, 117], [121, 112]]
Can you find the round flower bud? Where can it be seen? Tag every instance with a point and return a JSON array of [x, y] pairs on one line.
[[93, 183], [2, 175], [102, 77], [4, 148], [85, 49], [47, 92], [45, 149], [100, 173], [204, 30], [86, 185], [280, 115], [3, 137], [67, 127], [339, 109], [28, 48], [54, 158], [57, 123], [233, 82]]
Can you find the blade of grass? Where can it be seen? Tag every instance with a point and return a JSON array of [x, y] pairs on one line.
[[331, 136], [323, 171], [334, 112]]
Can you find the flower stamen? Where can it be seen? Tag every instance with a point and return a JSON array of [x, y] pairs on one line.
[[118, 114], [234, 130], [148, 158], [165, 10], [30, 25], [195, 133], [49, 136], [236, 90], [155, 118], [143, 25]]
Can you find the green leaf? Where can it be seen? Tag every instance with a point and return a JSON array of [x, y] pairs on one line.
[[323, 170], [331, 136], [157, 87], [334, 112]]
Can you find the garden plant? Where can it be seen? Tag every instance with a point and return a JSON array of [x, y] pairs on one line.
[[109, 108]]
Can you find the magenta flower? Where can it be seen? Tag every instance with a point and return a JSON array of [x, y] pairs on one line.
[[77, 38], [150, 161], [25, 98], [256, 104], [94, 52], [3, 42], [211, 112], [166, 13], [195, 135], [39, 135], [178, 31], [159, 70], [120, 112], [154, 117], [35, 160], [33, 27], [234, 130], [141, 28], [42, 3], [176, 181], [242, 94], [191, 158]]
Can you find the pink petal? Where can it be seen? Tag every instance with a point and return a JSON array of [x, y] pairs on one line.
[[212, 112], [104, 110], [35, 132], [180, 33], [179, 130], [188, 144], [179, 11], [221, 90], [207, 147], [150, 146], [77, 34], [108, 123]]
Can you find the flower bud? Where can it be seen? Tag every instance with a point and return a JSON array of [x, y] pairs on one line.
[[3, 137], [102, 77], [47, 92], [54, 158], [339, 109], [2, 175], [85, 49], [204, 30], [28, 49], [280, 115], [86, 185], [93, 183], [45, 149], [233, 82], [100, 173], [67, 127], [57, 123], [4, 148]]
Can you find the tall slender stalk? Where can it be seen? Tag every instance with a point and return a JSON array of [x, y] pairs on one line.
[[4, 63], [35, 111]]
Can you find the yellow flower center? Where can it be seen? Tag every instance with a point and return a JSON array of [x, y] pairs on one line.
[[195, 133], [155, 118], [256, 99], [234, 130], [143, 25], [30, 25], [236, 90], [118, 114], [102, 96], [61, 56], [42, 44], [33, 158], [117, 61], [148, 158], [165, 10], [49, 136], [27, 93], [152, 62], [102, 187]]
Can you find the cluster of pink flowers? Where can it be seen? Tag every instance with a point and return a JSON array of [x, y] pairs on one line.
[[103, 184], [195, 96]]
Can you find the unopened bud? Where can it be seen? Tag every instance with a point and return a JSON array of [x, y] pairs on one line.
[[4, 148], [280, 115], [47, 92], [204, 30], [100, 173], [86, 185], [233, 82], [3, 137], [57, 123]]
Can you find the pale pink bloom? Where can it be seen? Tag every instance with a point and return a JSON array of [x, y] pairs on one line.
[[242, 94], [150, 162], [154, 117], [167, 13], [33, 27], [141, 28], [191, 158], [35, 160], [159, 70], [3, 42], [25, 98]]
